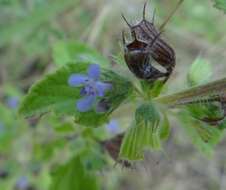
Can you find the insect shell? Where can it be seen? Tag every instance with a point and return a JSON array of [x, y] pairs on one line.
[[146, 48], [138, 59]]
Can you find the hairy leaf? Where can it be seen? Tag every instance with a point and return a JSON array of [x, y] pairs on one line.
[[73, 175], [202, 135], [200, 72], [220, 4]]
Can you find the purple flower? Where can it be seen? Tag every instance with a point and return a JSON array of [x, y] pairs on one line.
[[22, 183], [92, 88], [12, 102], [113, 127]]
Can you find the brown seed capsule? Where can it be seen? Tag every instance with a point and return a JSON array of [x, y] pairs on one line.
[[113, 147], [147, 47]]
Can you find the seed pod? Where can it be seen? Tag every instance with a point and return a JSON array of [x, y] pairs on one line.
[[113, 147], [147, 47]]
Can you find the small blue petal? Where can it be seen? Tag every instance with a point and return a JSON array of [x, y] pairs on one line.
[[94, 71], [102, 88], [77, 79], [85, 104], [22, 182], [13, 102], [113, 127]]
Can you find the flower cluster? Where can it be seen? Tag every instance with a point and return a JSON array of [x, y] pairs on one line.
[[92, 87]]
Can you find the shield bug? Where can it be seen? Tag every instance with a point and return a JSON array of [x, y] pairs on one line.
[[138, 59], [147, 47]]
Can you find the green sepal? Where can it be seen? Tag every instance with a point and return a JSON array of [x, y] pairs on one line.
[[144, 134], [165, 128], [152, 89]]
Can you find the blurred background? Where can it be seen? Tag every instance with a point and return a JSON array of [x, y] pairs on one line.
[[29, 33]]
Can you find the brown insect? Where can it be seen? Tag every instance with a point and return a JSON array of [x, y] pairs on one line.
[[147, 47]]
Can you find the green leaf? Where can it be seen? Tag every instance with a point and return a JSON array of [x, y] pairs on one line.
[[144, 133], [200, 72], [206, 110], [53, 93], [65, 52], [65, 127], [73, 175], [202, 135], [222, 125], [220, 4]]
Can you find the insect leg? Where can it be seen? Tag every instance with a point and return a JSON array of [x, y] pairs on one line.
[[144, 13], [170, 15], [144, 10], [123, 38], [124, 18], [153, 17]]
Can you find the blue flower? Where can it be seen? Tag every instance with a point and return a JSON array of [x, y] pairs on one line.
[[113, 127], [92, 88], [22, 183], [12, 102]]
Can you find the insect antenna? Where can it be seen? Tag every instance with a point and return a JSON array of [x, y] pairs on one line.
[[153, 17], [124, 18], [170, 15], [144, 10], [123, 38], [144, 13]]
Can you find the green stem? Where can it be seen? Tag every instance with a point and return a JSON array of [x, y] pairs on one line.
[[212, 91]]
